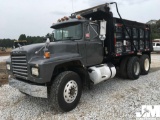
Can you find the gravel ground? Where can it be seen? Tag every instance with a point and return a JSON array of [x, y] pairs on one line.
[[115, 99], [3, 74]]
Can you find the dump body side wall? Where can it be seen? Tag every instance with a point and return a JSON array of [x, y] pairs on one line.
[[119, 43]]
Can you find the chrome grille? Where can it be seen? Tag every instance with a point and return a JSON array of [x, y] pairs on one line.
[[19, 66]]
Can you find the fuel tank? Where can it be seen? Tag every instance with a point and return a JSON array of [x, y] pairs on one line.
[[101, 72]]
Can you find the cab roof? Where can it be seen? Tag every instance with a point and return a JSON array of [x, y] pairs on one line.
[[71, 20]]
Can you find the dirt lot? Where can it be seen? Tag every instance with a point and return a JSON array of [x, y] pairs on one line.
[[5, 53], [3, 73]]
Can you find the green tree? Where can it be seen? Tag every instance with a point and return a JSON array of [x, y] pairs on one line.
[[34, 39], [155, 30], [7, 43], [22, 37]]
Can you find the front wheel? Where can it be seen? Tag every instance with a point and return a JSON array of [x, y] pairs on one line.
[[66, 91]]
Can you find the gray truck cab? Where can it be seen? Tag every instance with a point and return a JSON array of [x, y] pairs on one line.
[[85, 35], [76, 46]]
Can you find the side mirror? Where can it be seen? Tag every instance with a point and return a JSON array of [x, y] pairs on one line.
[[102, 35], [51, 37], [47, 41], [46, 45], [53, 32]]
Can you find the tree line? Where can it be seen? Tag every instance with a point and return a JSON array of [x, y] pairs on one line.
[[8, 43], [155, 30]]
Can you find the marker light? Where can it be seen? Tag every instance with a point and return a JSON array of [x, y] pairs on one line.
[[62, 19], [66, 18], [47, 55], [78, 17], [59, 20]]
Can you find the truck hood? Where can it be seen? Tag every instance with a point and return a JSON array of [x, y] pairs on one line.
[[60, 47]]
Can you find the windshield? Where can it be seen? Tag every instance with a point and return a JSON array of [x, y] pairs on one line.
[[69, 32]]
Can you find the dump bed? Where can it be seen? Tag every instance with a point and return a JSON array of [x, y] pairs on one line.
[[118, 41], [137, 39]]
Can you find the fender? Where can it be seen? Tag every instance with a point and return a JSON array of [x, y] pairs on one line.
[[47, 66]]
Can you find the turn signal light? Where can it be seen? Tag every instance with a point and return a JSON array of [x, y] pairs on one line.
[[47, 55]]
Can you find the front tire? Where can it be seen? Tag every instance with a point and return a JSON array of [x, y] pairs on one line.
[[133, 68], [66, 91]]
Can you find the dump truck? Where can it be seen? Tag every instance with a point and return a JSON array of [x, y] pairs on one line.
[[89, 47]]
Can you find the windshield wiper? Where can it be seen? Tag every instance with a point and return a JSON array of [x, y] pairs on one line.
[[69, 38]]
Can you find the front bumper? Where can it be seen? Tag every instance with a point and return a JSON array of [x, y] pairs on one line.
[[32, 90]]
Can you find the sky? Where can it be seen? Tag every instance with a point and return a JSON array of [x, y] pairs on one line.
[[34, 17]]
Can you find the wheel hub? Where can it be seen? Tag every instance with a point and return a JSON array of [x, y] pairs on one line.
[[146, 64], [136, 68], [70, 91]]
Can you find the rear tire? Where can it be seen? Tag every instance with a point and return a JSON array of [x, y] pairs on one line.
[[133, 68], [145, 64], [66, 91], [123, 68]]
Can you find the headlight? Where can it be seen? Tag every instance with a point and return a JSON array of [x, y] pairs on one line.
[[35, 71], [8, 67]]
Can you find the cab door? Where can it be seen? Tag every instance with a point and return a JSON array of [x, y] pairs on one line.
[[94, 46]]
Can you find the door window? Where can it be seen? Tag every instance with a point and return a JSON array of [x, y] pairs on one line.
[[158, 44], [91, 31]]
